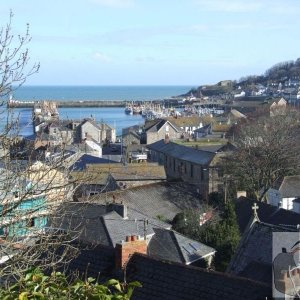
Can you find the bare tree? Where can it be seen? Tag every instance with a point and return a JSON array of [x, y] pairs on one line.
[[268, 150], [31, 190]]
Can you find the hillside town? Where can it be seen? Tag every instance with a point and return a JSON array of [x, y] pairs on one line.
[[170, 202], [199, 200]]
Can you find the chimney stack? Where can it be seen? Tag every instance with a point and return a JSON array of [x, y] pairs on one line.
[[124, 250], [119, 208], [167, 139]]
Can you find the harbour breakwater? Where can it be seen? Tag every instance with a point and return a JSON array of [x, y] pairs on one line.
[[75, 103]]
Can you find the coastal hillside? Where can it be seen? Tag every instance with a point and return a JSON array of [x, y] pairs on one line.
[[286, 73]]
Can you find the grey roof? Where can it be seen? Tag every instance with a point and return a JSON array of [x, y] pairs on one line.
[[167, 280], [182, 152], [205, 128], [92, 122], [101, 224], [85, 159], [170, 245], [131, 129], [159, 199], [255, 247], [84, 221], [290, 186], [158, 124], [118, 228], [266, 213], [94, 261]]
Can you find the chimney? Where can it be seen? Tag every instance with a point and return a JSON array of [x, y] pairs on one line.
[[124, 250], [167, 139], [119, 208]]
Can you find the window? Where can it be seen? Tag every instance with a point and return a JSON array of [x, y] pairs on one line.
[[167, 128], [30, 222]]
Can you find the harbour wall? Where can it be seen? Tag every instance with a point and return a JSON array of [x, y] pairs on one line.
[[77, 103]]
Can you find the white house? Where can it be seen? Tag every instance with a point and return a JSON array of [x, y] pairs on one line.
[[287, 195]]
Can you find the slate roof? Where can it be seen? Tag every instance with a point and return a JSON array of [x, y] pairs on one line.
[[85, 159], [146, 171], [266, 213], [92, 122], [156, 125], [236, 114], [254, 254], [186, 121], [204, 128], [173, 246], [290, 187], [182, 152], [101, 224], [94, 261], [131, 129], [159, 199], [171, 281]]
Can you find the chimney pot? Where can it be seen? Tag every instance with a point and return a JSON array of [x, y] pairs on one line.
[[128, 238]]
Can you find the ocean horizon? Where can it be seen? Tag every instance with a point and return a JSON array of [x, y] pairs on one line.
[[108, 92]]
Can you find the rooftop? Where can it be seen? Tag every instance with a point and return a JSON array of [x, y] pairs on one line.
[[182, 152], [290, 186], [103, 224], [253, 258], [162, 199], [171, 245], [169, 280]]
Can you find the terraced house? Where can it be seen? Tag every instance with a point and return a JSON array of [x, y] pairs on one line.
[[199, 167]]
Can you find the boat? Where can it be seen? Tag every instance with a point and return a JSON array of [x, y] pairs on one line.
[[128, 110]]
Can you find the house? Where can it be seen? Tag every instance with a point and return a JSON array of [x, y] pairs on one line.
[[164, 279], [253, 257], [125, 231], [59, 132], [21, 212], [94, 176], [203, 131], [160, 200], [234, 117], [278, 107], [286, 194], [131, 135], [198, 167], [158, 129], [130, 175], [173, 246], [88, 129], [28, 196], [189, 124], [266, 213]]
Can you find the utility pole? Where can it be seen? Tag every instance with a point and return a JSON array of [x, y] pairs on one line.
[[145, 228]]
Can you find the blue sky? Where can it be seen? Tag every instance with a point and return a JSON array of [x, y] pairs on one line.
[[155, 42]]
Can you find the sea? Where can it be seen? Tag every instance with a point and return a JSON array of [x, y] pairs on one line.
[[114, 116]]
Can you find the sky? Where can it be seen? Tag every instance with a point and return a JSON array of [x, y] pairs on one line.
[[154, 42]]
